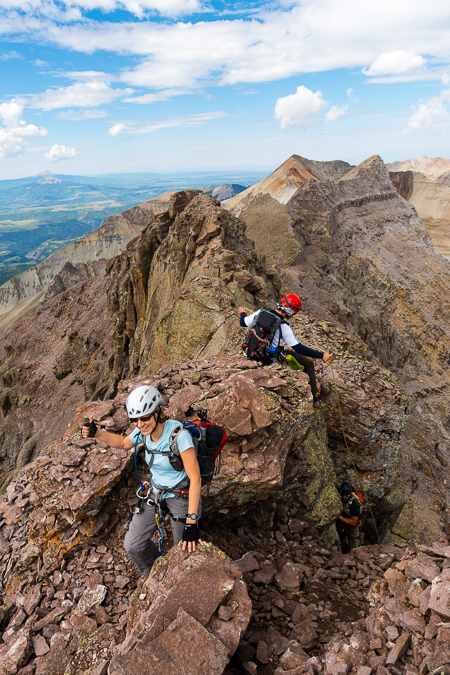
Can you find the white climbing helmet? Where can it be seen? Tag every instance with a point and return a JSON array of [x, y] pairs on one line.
[[143, 401]]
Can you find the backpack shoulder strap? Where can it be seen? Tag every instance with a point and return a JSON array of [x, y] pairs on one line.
[[173, 443], [277, 325]]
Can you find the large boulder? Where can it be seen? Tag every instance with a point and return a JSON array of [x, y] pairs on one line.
[[188, 617]]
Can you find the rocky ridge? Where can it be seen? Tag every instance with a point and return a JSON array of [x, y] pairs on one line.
[[363, 260], [190, 268], [70, 599], [171, 296], [73, 603], [286, 179]]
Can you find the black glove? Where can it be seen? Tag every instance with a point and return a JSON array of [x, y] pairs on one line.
[[190, 532], [92, 429]]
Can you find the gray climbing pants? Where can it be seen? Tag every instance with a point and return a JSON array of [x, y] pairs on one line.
[[138, 540]]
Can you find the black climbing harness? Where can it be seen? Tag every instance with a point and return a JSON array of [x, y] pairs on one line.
[[153, 495]]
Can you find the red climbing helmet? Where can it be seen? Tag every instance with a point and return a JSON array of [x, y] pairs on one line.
[[292, 301]]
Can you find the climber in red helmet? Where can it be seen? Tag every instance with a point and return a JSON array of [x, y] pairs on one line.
[[268, 328]]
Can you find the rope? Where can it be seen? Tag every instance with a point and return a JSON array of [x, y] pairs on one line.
[[351, 456], [343, 430], [135, 463], [348, 449]]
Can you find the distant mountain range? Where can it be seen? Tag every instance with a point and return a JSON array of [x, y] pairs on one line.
[[225, 191], [431, 167], [39, 214]]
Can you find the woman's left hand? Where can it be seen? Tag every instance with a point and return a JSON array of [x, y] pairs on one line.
[[191, 536]]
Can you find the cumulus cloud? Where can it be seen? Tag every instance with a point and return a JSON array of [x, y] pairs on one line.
[[335, 112], [15, 133], [177, 121], [88, 94], [117, 129], [300, 109], [59, 152], [431, 111], [397, 62]]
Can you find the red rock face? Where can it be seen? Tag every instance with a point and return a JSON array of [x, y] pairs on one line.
[[403, 182]]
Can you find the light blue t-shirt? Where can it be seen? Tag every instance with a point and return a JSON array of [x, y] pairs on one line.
[[162, 473]]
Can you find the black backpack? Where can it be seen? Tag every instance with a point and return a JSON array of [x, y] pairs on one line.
[[208, 440], [260, 336]]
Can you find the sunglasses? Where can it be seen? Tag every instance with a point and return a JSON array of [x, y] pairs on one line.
[[146, 418]]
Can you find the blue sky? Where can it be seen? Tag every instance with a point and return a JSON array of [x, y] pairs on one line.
[[101, 86]]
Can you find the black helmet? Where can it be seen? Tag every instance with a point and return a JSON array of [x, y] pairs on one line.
[[345, 489]]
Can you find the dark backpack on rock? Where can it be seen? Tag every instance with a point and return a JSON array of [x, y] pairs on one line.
[[260, 337]]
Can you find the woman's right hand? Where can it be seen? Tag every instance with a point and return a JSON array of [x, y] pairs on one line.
[[89, 430]]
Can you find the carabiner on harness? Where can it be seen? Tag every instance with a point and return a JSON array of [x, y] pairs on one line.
[[143, 490]]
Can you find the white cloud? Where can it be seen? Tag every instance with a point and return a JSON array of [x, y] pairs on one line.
[[11, 112], [299, 109], [397, 62], [117, 129], [140, 7], [9, 56], [279, 42], [88, 75], [350, 93], [136, 7], [15, 134], [79, 95], [431, 111], [80, 115], [59, 152], [170, 122], [335, 112], [162, 95]]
